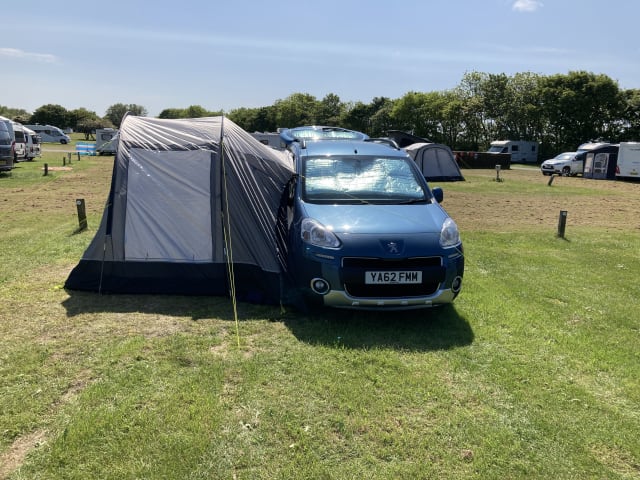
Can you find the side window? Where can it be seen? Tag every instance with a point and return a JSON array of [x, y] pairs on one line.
[[514, 148]]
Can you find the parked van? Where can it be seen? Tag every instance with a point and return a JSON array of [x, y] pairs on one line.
[[628, 160], [7, 144], [33, 144], [20, 149], [49, 133], [521, 151], [106, 141]]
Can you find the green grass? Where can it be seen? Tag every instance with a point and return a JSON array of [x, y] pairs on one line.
[[533, 373]]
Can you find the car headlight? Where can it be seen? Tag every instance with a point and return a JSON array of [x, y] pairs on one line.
[[314, 233], [449, 235]]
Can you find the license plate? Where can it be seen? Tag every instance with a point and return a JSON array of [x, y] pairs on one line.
[[388, 278]]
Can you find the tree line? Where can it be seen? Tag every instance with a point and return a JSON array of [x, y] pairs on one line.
[[560, 111]]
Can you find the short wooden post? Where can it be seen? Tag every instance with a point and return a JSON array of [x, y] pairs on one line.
[[64, 161], [82, 214], [551, 180], [562, 223], [78, 156], [498, 168], [69, 157], [46, 169]]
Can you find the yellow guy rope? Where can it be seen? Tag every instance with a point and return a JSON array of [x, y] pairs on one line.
[[227, 243]]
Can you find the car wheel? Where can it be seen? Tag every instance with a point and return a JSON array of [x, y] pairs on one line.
[[63, 142], [566, 171]]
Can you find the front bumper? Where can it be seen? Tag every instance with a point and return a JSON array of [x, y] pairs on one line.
[[344, 286], [340, 299]]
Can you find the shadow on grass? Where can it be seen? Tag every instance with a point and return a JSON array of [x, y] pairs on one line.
[[428, 329], [194, 307]]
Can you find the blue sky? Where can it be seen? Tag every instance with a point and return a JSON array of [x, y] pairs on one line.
[[241, 53]]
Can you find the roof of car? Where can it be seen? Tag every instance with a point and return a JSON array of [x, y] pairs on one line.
[[350, 147]]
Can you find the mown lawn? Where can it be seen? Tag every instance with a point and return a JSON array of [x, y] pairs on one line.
[[532, 373]]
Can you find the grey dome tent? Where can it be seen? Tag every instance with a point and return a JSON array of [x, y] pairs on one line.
[[436, 161], [193, 209]]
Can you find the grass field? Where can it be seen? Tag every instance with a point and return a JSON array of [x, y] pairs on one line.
[[534, 372]]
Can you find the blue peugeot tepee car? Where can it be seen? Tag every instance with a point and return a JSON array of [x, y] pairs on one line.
[[365, 230]]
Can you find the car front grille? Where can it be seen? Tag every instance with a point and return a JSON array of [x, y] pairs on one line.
[[354, 268]]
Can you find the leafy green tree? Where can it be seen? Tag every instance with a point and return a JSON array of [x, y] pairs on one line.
[[579, 107], [51, 114], [477, 130], [193, 111], [85, 121], [357, 116], [19, 115], [262, 119], [381, 121], [116, 112], [171, 113], [330, 110], [630, 122], [295, 110], [452, 122]]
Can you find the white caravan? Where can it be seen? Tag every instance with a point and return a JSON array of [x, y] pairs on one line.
[[521, 151], [33, 144], [20, 149], [106, 141], [628, 164], [49, 133]]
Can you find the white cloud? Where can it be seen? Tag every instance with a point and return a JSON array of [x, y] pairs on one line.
[[526, 5], [38, 57]]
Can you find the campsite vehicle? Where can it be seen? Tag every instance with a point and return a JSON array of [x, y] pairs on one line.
[[628, 164], [106, 141], [20, 150], [49, 133], [567, 163], [365, 231], [33, 144], [521, 151], [269, 138], [7, 144], [600, 159]]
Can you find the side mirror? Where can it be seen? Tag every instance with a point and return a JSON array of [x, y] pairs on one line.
[[438, 194]]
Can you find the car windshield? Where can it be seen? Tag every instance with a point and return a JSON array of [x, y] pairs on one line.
[[361, 179], [565, 156]]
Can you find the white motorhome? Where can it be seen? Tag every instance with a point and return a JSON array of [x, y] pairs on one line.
[[20, 150], [49, 133], [271, 139], [33, 144], [628, 163], [106, 141], [521, 151]]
